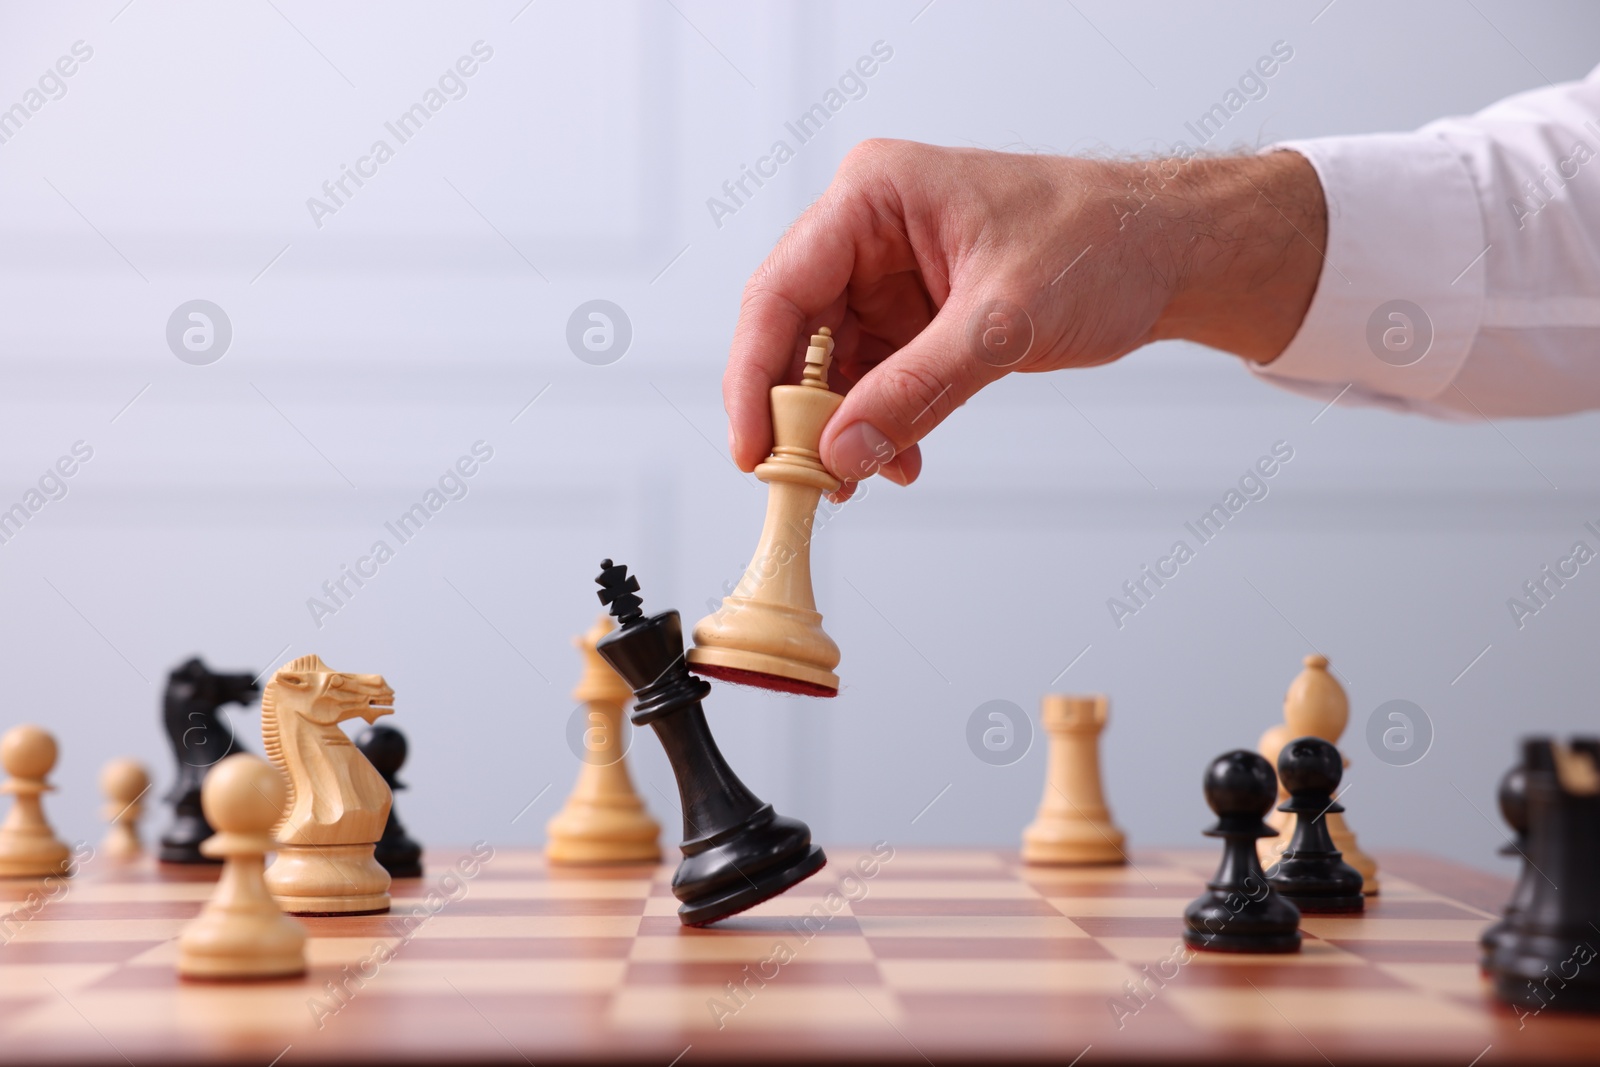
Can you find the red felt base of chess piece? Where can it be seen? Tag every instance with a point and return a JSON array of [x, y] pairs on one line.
[[759, 680]]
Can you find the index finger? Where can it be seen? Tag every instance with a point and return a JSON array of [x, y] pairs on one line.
[[798, 285]]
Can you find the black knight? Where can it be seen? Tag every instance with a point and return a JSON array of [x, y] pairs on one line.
[[200, 738]]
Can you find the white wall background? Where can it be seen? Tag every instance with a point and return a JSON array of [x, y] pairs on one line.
[[371, 352]]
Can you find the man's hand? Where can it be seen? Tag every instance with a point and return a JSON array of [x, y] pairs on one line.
[[941, 270]]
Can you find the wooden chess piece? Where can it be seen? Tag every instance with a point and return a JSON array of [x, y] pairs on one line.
[[603, 821], [1316, 706], [1270, 849], [124, 783], [1544, 955], [28, 847], [768, 632], [1311, 874], [1073, 826], [200, 737], [1240, 911], [241, 931], [385, 748], [337, 801], [737, 851], [1513, 798]]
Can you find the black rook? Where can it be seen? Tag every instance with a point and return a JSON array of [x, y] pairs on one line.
[[1544, 956]]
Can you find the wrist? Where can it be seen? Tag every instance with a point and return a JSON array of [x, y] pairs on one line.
[[1245, 243]]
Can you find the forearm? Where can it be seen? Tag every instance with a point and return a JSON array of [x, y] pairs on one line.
[[1246, 237]]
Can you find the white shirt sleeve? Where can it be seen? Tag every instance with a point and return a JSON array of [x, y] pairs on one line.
[[1462, 275]]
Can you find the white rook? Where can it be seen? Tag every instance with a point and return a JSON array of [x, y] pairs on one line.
[[1074, 826]]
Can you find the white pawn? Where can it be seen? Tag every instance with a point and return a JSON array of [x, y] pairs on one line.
[[28, 847], [124, 783], [241, 932]]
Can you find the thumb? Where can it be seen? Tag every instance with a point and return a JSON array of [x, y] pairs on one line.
[[899, 401]]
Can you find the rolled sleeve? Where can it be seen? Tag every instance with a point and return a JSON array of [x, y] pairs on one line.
[[1402, 289]]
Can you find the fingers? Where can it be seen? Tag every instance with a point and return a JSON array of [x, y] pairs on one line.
[[803, 278], [898, 402], [901, 470], [904, 467], [848, 242]]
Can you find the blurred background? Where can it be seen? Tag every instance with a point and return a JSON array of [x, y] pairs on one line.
[[358, 348]]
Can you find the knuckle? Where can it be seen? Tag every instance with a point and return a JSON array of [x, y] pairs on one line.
[[788, 259], [918, 396], [874, 156], [871, 149], [757, 288], [765, 292]]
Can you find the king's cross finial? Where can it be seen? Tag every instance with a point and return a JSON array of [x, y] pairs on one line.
[[619, 592], [818, 356]]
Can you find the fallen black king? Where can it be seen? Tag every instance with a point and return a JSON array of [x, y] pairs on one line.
[[737, 851]]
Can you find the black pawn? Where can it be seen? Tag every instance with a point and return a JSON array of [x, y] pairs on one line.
[[385, 749], [200, 739], [1514, 809], [1312, 874], [737, 851], [1546, 957], [1240, 911]]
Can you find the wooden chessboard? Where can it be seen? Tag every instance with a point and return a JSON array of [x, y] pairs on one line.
[[941, 957]]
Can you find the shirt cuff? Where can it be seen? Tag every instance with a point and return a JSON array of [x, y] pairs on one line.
[[1402, 286]]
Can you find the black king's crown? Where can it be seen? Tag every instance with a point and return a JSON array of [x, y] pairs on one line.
[[619, 593], [646, 651]]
